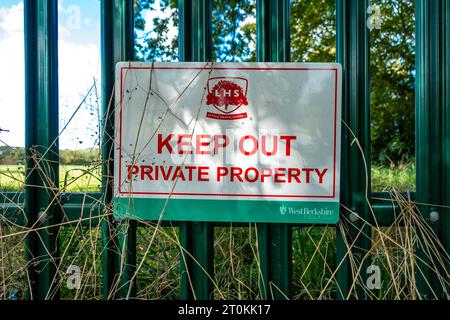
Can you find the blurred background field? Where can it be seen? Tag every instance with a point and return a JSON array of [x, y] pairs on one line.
[[79, 170], [73, 178]]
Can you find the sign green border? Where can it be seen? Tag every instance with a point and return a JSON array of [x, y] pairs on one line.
[[220, 210]]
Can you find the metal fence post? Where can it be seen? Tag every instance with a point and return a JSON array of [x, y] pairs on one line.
[[274, 240], [119, 239], [433, 138], [41, 145], [352, 47], [197, 238], [444, 235]]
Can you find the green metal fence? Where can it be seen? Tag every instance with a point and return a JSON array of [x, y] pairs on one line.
[[43, 204]]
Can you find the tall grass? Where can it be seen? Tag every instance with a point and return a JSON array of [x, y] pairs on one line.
[[401, 178], [236, 270], [405, 249]]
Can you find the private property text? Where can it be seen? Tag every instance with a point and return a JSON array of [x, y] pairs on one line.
[[207, 145]]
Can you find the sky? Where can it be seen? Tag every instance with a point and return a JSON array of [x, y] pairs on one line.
[[79, 65]]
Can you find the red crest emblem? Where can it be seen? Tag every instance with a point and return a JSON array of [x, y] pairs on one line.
[[227, 94]]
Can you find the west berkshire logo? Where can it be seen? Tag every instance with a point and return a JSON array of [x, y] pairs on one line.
[[227, 95], [283, 210]]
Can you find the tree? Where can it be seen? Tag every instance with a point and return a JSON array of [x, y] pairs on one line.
[[312, 40], [392, 78], [234, 30], [313, 31], [155, 45], [233, 36]]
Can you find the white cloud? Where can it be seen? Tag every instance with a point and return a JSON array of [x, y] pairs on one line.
[[78, 65], [11, 19], [12, 75]]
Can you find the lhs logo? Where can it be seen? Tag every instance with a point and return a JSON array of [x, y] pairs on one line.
[[227, 95]]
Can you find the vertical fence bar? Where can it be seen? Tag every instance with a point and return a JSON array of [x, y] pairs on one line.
[[352, 46], [432, 137], [119, 239], [197, 238], [41, 145], [445, 221], [274, 240]]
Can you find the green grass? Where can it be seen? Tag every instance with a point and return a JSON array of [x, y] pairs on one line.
[[80, 178], [73, 178], [11, 178], [402, 178], [236, 269]]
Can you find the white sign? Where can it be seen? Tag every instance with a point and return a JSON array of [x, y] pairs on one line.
[[253, 142]]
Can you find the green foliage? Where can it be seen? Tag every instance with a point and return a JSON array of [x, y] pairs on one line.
[[11, 155], [313, 31], [402, 178], [156, 44], [235, 263], [391, 68], [313, 40], [392, 83], [313, 262], [82, 247], [233, 36], [234, 32], [82, 157]]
